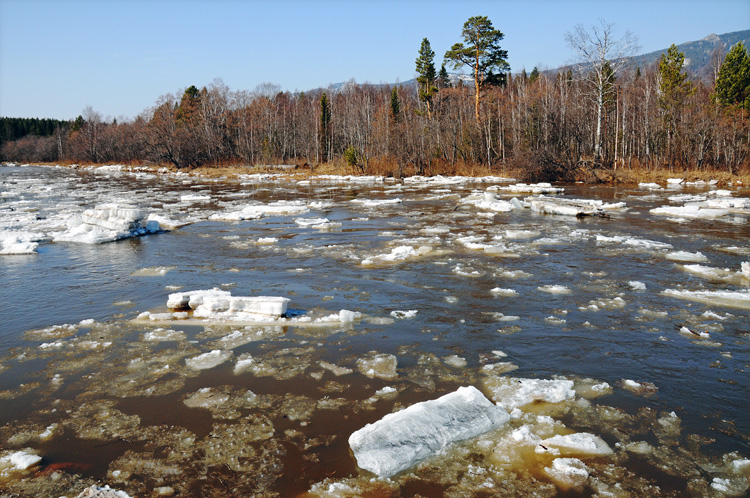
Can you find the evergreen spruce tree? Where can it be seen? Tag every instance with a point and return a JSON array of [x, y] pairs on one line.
[[482, 53], [395, 105], [674, 89], [733, 82], [534, 75], [325, 125], [443, 79], [426, 70]]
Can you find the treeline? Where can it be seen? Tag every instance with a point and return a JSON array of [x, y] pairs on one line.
[[555, 126]]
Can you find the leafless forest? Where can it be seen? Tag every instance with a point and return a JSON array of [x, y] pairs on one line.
[[543, 123]]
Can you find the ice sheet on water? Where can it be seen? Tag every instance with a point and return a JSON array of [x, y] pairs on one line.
[[376, 202], [580, 445], [731, 299], [107, 223], [378, 365], [555, 289], [571, 207], [402, 439], [511, 392], [687, 257], [208, 360], [18, 242], [317, 223], [488, 201], [690, 211], [397, 254], [533, 188], [255, 211], [219, 304]]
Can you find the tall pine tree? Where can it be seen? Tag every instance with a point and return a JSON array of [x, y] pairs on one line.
[[426, 70], [324, 136], [674, 89], [733, 82], [480, 51]]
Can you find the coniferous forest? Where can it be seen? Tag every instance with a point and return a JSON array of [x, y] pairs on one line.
[[582, 122]]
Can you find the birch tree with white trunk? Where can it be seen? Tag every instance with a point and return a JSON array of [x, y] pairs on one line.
[[600, 57]]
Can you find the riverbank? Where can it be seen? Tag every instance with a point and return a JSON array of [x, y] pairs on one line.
[[622, 176]]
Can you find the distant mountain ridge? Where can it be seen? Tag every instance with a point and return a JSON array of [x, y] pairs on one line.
[[698, 53], [697, 60]]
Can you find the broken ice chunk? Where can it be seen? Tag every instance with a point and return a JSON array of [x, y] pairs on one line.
[[568, 473], [400, 440], [192, 299], [580, 444], [382, 366], [13, 461], [105, 491], [208, 360], [640, 388], [17, 243], [510, 392]]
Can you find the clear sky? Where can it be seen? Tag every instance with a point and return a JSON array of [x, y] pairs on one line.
[[119, 56]]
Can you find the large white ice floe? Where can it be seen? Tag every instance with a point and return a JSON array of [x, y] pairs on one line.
[[255, 211], [580, 444], [489, 202], [402, 439], [222, 305], [730, 299], [18, 243], [107, 223], [572, 207], [397, 255], [512, 392], [533, 188], [691, 211]]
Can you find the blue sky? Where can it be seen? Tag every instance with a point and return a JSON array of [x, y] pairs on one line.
[[119, 56]]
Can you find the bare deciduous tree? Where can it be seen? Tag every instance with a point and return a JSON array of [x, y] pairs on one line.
[[601, 56]]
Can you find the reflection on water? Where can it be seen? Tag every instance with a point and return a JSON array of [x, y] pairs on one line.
[[552, 296]]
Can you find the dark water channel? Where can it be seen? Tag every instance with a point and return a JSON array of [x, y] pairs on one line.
[[611, 323]]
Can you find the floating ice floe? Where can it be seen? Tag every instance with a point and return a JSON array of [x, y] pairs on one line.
[[18, 243], [318, 223], [581, 444], [208, 360], [650, 186], [571, 207], [533, 188], [381, 366], [107, 223], [397, 254], [15, 462], [721, 274], [511, 392], [690, 211], [555, 289], [730, 299], [489, 201], [102, 492], [255, 211], [400, 440], [686, 257], [376, 202]]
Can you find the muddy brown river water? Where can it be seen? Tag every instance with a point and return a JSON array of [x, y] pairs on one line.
[[647, 313]]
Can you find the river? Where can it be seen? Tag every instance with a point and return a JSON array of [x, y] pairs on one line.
[[448, 275]]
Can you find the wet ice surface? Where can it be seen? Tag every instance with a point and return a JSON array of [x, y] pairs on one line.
[[618, 345]]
